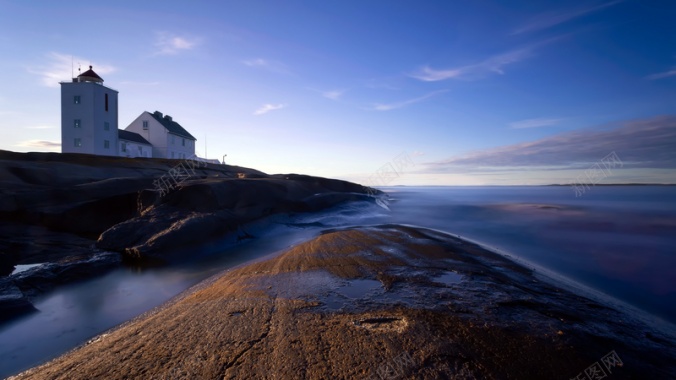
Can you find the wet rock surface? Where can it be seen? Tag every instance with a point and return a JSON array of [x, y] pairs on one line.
[[66, 210], [12, 301], [379, 302]]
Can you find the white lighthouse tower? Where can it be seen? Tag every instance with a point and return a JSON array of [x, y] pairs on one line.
[[88, 116]]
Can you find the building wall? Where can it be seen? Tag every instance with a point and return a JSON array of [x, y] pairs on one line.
[[93, 116], [156, 134], [165, 144], [180, 147], [134, 149]]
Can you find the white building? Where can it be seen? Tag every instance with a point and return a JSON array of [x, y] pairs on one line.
[[133, 145], [168, 138], [88, 116], [89, 125]]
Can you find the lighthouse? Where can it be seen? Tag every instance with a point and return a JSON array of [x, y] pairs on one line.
[[88, 116]]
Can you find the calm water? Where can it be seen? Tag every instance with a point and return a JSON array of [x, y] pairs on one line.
[[619, 240]]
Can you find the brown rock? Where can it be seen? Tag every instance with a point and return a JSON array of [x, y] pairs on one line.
[[385, 302]]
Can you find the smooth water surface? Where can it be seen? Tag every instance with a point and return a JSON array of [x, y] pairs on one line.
[[73, 314], [620, 240]]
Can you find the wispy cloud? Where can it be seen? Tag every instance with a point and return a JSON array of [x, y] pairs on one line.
[[266, 64], [665, 74], [334, 94], [171, 44], [478, 70], [392, 106], [551, 19], [267, 108], [534, 123], [644, 143], [329, 94], [61, 67], [40, 144]]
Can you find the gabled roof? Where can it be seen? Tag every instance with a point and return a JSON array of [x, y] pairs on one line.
[[171, 125], [90, 76], [131, 136]]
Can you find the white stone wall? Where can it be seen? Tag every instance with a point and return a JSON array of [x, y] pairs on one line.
[[180, 147], [165, 144], [134, 149], [156, 134], [93, 118]]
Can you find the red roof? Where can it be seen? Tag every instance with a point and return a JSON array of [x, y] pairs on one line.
[[90, 74]]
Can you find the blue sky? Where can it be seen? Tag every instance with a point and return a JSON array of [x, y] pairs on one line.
[[474, 92]]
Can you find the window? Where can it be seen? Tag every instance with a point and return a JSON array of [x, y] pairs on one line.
[[145, 125], [77, 123], [76, 99], [173, 139], [106, 144], [183, 142], [140, 150], [172, 154], [106, 102], [77, 142], [106, 126], [124, 147]]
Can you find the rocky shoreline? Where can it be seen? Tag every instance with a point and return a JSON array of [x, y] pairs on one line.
[[376, 302], [70, 211]]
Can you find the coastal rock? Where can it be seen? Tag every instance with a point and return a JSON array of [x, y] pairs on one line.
[[13, 303], [379, 302], [46, 277], [203, 209], [54, 207]]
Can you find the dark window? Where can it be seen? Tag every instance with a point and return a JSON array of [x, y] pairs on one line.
[[77, 124], [145, 125], [76, 99], [77, 142], [106, 126], [106, 102]]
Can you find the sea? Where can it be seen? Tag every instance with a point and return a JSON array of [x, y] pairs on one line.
[[616, 243]]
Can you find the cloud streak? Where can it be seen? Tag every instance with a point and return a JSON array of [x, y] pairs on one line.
[[393, 106], [534, 123], [62, 67], [267, 108], [551, 19], [641, 144], [334, 94], [40, 144], [170, 44], [665, 74], [493, 65], [265, 64]]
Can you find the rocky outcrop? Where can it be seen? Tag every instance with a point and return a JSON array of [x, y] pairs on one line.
[[378, 303], [55, 208], [13, 302], [206, 208]]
